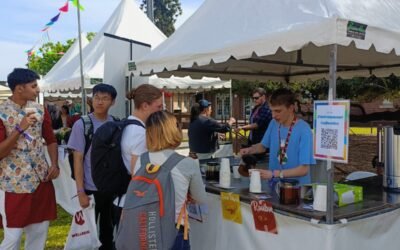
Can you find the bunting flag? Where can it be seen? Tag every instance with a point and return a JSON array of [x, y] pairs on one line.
[[64, 8], [75, 3], [54, 19]]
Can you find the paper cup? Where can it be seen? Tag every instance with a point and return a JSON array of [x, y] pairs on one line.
[[236, 173], [33, 110], [320, 198], [255, 181]]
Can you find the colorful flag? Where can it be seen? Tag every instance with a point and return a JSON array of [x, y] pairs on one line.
[[75, 3], [54, 19], [64, 8]]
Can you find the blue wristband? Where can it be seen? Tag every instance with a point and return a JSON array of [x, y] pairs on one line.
[[19, 129]]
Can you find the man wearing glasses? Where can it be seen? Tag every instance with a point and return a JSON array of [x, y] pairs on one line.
[[259, 119]]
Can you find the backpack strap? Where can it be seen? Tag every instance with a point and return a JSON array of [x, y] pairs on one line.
[[169, 164], [183, 213], [87, 131]]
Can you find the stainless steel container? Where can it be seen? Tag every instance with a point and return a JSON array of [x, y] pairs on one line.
[[389, 145]]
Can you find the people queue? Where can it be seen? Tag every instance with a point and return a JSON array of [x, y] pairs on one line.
[[27, 196]]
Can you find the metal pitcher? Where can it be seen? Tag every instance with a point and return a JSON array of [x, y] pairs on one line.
[[389, 154]]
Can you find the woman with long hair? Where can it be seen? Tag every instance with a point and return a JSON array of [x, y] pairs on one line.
[[163, 136]]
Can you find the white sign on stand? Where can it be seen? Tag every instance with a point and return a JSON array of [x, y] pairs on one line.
[[331, 130]]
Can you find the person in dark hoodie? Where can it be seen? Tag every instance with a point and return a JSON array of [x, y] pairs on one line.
[[203, 130]]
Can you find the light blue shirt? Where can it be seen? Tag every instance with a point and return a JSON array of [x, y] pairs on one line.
[[299, 151]]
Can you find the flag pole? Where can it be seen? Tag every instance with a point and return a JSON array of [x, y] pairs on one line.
[[84, 111]]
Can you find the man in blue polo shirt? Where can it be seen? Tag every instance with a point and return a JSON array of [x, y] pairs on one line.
[[289, 140]]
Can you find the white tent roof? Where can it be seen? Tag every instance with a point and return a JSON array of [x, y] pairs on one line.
[[284, 40], [182, 83], [127, 21], [4, 92], [59, 69]]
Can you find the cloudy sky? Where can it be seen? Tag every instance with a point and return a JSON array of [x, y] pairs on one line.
[[21, 22]]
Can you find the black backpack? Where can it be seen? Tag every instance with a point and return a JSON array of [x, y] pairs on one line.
[[109, 173], [88, 133]]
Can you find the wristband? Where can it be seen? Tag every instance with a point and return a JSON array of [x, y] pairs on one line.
[[272, 173], [19, 129], [81, 190]]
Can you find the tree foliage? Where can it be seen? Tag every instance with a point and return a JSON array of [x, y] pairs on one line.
[[50, 53], [165, 14], [357, 89]]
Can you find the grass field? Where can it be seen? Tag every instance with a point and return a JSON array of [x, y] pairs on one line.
[[58, 231]]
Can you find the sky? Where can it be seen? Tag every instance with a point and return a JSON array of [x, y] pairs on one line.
[[21, 22]]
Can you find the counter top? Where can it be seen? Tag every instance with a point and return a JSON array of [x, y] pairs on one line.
[[376, 200]]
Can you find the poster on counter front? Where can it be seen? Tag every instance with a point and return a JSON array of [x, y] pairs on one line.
[[331, 130], [264, 217], [231, 209]]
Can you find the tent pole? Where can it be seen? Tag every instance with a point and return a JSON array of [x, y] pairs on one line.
[[84, 110], [330, 165]]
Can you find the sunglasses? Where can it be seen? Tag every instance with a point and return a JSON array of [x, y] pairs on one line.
[[256, 97]]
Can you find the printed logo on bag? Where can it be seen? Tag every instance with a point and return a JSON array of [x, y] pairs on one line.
[[79, 218], [151, 168], [139, 193]]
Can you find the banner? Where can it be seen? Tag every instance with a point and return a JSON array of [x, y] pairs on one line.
[[263, 215], [231, 209]]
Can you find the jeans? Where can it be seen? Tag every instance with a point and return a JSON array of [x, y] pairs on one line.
[[180, 243]]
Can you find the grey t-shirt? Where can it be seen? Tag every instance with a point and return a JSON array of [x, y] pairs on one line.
[[77, 142]]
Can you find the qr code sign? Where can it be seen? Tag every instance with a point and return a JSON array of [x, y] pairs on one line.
[[329, 138]]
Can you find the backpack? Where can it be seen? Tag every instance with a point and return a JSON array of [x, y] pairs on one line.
[[88, 133], [109, 173], [148, 217]]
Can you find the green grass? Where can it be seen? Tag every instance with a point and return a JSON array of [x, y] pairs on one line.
[[58, 231]]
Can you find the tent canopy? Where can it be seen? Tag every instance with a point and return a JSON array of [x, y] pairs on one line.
[[127, 21], [182, 83], [284, 40], [59, 69], [4, 92]]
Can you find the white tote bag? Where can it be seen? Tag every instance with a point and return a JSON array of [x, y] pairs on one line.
[[83, 232]]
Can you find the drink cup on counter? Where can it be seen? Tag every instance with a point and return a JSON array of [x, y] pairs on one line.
[[236, 173], [225, 173], [255, 181], [320, 198]]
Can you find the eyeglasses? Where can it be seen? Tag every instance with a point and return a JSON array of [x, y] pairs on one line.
[[256, 97], [101, 99]]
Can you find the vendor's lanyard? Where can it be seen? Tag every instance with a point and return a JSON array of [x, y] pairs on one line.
[[283, 147]]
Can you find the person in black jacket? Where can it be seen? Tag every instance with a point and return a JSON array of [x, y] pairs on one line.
[[203, 130]]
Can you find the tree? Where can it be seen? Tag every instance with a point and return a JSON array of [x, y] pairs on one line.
[[165, 14], [50, 53]]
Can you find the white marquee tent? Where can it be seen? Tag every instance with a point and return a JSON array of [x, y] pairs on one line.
[[55, 73], [283, 40], [4, 92], [288, 40], [182, 83], [127, 21]]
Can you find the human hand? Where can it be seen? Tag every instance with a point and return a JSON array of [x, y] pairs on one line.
[[84, 200], [265, 174], [28, 120], [245, 151], [54, 172]]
